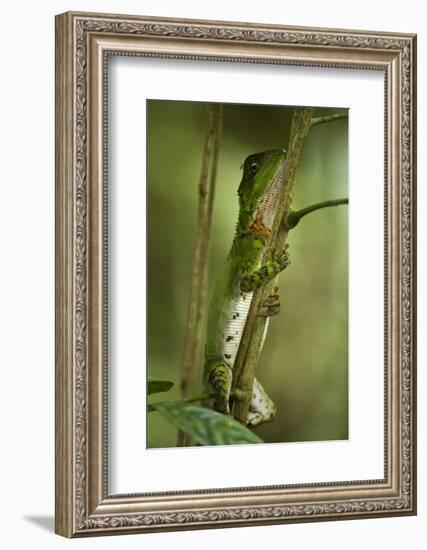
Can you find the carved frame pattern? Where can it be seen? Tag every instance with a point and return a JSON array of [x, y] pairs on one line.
[[83, 506]]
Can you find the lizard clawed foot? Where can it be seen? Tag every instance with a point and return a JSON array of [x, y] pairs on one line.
[[222, 406], [271, 305], [219, 380], [283, 258]]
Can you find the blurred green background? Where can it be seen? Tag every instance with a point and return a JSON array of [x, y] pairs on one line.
[[304, 363]]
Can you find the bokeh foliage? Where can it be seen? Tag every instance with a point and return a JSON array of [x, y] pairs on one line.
[[304, 363]]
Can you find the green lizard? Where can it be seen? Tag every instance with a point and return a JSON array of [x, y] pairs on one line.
[[242, 273]]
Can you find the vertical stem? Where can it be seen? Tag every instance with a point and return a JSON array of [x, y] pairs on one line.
[[249, 349], [197, 304]]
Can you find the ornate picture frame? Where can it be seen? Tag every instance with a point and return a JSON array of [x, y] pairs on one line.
[[84, 42]]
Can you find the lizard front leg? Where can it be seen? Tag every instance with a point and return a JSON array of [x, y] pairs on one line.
[[218, 378], [271, 305], [257, 278]]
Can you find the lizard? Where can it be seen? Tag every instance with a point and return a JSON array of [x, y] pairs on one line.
[[242, 273]]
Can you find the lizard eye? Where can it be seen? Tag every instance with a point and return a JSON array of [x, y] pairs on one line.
[[253, 167]]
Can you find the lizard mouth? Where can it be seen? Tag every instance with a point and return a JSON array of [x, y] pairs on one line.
[[266, 211]]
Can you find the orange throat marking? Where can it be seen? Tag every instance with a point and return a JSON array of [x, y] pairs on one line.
[[259, 228]]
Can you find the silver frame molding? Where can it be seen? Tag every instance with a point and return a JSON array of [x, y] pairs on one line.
[[83, 43]]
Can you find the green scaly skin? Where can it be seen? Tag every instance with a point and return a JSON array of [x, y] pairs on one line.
[[242, 273]]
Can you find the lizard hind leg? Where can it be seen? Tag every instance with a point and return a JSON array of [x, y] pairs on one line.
[[218, 379], [262, 408]]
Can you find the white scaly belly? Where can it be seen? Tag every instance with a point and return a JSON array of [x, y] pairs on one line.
[[234, 323]]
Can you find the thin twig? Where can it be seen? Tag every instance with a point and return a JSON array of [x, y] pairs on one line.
[[247, 356], [329, 118], [197, 304], [294, 217]]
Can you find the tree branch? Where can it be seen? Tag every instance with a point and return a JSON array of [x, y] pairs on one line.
[[247, 356], [329, 118], [294, 217], [197, 303]]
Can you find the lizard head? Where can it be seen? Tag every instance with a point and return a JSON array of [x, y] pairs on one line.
[[260, 190]]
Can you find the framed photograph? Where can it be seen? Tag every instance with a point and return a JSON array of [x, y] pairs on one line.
[[235, 274]]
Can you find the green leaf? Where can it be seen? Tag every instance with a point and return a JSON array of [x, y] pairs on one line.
[[205, 426], [155, 385]]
